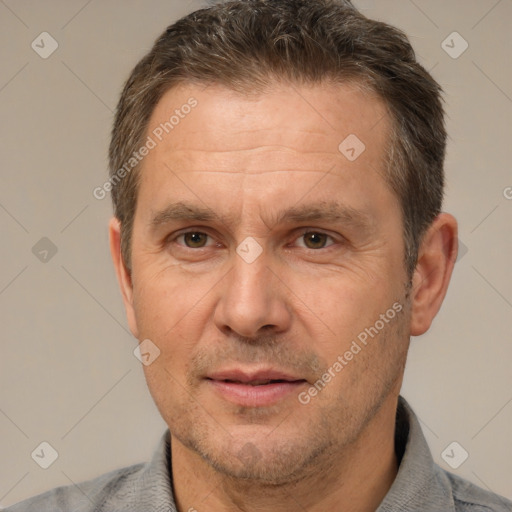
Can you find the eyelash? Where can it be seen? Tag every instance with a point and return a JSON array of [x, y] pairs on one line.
[[303, 232]]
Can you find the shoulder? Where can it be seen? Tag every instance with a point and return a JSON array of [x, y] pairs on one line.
[[468, 497], [140, 487], [86, 496]]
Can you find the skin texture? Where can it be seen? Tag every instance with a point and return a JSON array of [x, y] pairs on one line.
[[317, 284]]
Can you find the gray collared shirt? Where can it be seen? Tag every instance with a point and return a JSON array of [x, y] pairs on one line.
[[420, 485]]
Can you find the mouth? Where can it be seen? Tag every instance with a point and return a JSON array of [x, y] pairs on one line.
[[254, 389], [256, 382]]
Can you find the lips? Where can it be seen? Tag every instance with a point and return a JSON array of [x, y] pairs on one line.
[[257, 378], [254, 389]]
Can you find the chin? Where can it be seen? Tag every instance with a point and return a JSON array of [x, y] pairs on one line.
[[283, 461]]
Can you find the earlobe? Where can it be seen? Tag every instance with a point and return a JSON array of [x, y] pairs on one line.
[[123, 275], [436, 259]]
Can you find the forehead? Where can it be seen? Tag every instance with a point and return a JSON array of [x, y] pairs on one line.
[[275, 143], [327, 112]]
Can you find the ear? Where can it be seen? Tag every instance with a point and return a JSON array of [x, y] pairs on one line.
[[123, 274], [436, 259]]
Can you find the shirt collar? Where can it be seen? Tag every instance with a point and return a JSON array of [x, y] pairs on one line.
[[420, 484]]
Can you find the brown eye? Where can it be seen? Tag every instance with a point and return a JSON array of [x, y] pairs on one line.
[[195, 239], [315, 240]]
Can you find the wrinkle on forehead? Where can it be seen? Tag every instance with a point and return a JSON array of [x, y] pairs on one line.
[[254, 172], [258, 148], [256, 160]]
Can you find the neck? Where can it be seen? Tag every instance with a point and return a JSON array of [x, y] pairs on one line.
[[353, 479]]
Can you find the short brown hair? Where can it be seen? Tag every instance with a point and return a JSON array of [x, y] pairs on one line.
[[247, 45]]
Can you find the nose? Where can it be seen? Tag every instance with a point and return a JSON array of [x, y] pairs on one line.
[[253, 300]]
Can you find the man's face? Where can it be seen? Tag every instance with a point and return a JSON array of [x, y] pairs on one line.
[[261, 252]]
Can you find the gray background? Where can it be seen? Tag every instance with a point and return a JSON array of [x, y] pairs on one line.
[[68, 374]]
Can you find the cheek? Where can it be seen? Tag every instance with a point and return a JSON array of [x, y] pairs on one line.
[[167, 386], [167, 376], [364, 333], [173, 312], [164, 302], [366, 362], [345, 304]]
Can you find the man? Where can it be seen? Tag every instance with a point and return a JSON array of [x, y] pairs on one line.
[[277, 178]]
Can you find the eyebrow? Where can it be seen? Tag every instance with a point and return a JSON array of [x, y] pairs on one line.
[[327, 211], [186, 211]]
